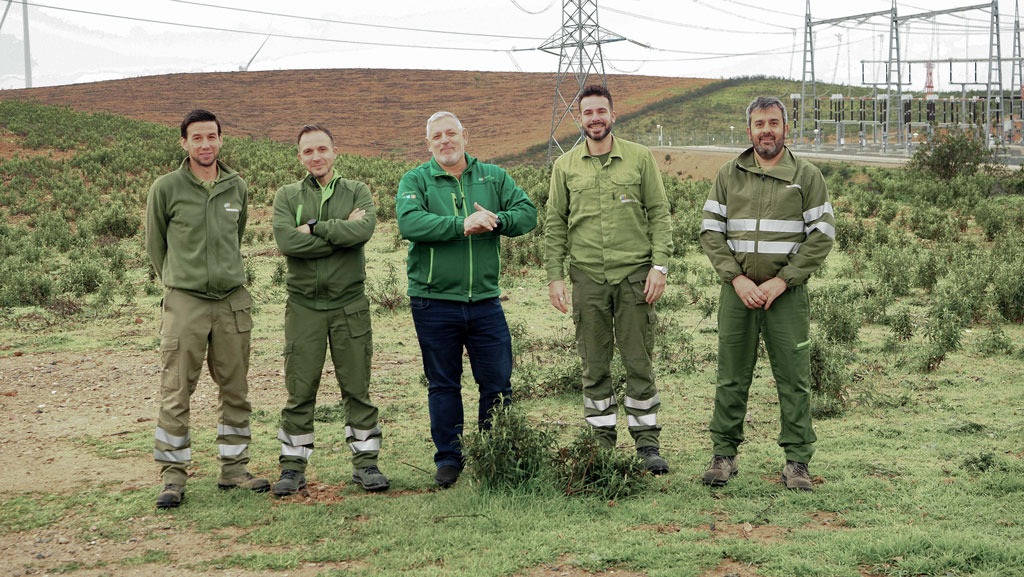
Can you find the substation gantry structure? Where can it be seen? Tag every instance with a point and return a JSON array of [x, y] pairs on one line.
[[890, 113]]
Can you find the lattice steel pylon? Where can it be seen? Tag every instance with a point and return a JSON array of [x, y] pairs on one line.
[[994, 107], [1017, 72], [578, 47], [893, 75]]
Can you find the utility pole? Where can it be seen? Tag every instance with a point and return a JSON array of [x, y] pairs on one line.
[[28, 53], [578, 47]]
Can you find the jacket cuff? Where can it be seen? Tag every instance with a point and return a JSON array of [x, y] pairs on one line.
[[555, 274]]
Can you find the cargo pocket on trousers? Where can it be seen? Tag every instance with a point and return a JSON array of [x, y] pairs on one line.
[[169, 355], [581, 347], [357, 316], [637, 281], [241, 308]]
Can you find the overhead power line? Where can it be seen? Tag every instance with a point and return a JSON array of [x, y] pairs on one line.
[[271, 34], [685, 25], [350, 23], [544, 9]]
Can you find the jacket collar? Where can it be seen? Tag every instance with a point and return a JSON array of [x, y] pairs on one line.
[[224, 172], [616, 152], [312, 182], [784, 170], [436, 170]]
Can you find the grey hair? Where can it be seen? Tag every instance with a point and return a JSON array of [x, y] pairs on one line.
[[766, 102], [439, 115]]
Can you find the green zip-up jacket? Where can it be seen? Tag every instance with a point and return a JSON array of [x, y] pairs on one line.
[[443, 262], [326, 269], [194, 233], [771, 222], [611, 219]]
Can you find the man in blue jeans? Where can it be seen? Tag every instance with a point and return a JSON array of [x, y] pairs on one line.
[[453, 210]]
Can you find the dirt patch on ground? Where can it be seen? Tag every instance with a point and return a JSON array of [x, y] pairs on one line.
[[372, 112], [565, 566], [153, 548], [686, 164], [10, 144], [731, 568]]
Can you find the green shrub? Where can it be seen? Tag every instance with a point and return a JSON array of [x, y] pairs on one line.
[[943, 333], [389, 291], [901, 325], [82, 275], [830, 378], [991, 216], [114, 219], [587, 468], [837, 313], [512, 454], [950, 155]]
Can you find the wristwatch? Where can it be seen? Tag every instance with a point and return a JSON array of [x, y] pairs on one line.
[[311, 223], [497, 224], [662, 269]]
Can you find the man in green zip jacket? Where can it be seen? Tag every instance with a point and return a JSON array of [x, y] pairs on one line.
[[195, 217], [321, 224], [453, 210], [768, 225], [607, 212]]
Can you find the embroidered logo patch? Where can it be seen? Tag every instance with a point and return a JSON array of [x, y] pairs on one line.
[[794, 185], [626, 198], [227, 207]]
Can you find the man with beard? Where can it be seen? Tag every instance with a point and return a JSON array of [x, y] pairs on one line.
[[608, 213], [768, 225], [453, 210], [195, 217]]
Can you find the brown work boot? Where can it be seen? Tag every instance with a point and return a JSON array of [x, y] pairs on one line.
[[796, 476], [720, 470], [170, 496], [245, 481]]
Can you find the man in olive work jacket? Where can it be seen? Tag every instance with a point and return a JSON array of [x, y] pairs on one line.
[[195, 217], [608, 213]]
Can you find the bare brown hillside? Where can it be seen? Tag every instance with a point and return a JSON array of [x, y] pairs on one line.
[[372, 112]]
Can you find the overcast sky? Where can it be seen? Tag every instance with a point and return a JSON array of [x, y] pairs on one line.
[[689, 38]]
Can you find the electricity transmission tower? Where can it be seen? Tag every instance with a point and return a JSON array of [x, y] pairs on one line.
[[578, 47]]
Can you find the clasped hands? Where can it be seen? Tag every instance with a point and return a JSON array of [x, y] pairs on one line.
[[757, 296]]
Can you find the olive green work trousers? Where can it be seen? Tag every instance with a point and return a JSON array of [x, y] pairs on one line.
[[193, 328], [607, 315], [785, 327], [308, 333]]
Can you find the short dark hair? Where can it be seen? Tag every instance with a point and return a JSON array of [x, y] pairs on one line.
[[596, 90], [767, 103], [314, 128], [198, 115]]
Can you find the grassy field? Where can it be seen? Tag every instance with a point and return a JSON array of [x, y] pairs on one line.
[[919, 467]]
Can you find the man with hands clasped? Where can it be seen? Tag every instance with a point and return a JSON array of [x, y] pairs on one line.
[[768, 225]]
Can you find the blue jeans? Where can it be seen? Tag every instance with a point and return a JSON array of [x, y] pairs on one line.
[[443, 329]]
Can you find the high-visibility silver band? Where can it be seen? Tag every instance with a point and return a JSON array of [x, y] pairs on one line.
[[741, 245], [642, 421], [817, 212], [712, 224], [644, 405], [294, 440], [179, 456], [301, 452], [602, 420], [361, 434], [598, 405], [172, 440], [743, 224], [367, 445], [773, 225], [765, 247], [231, 450], [826, 229], [229, 430], [715, 207]]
